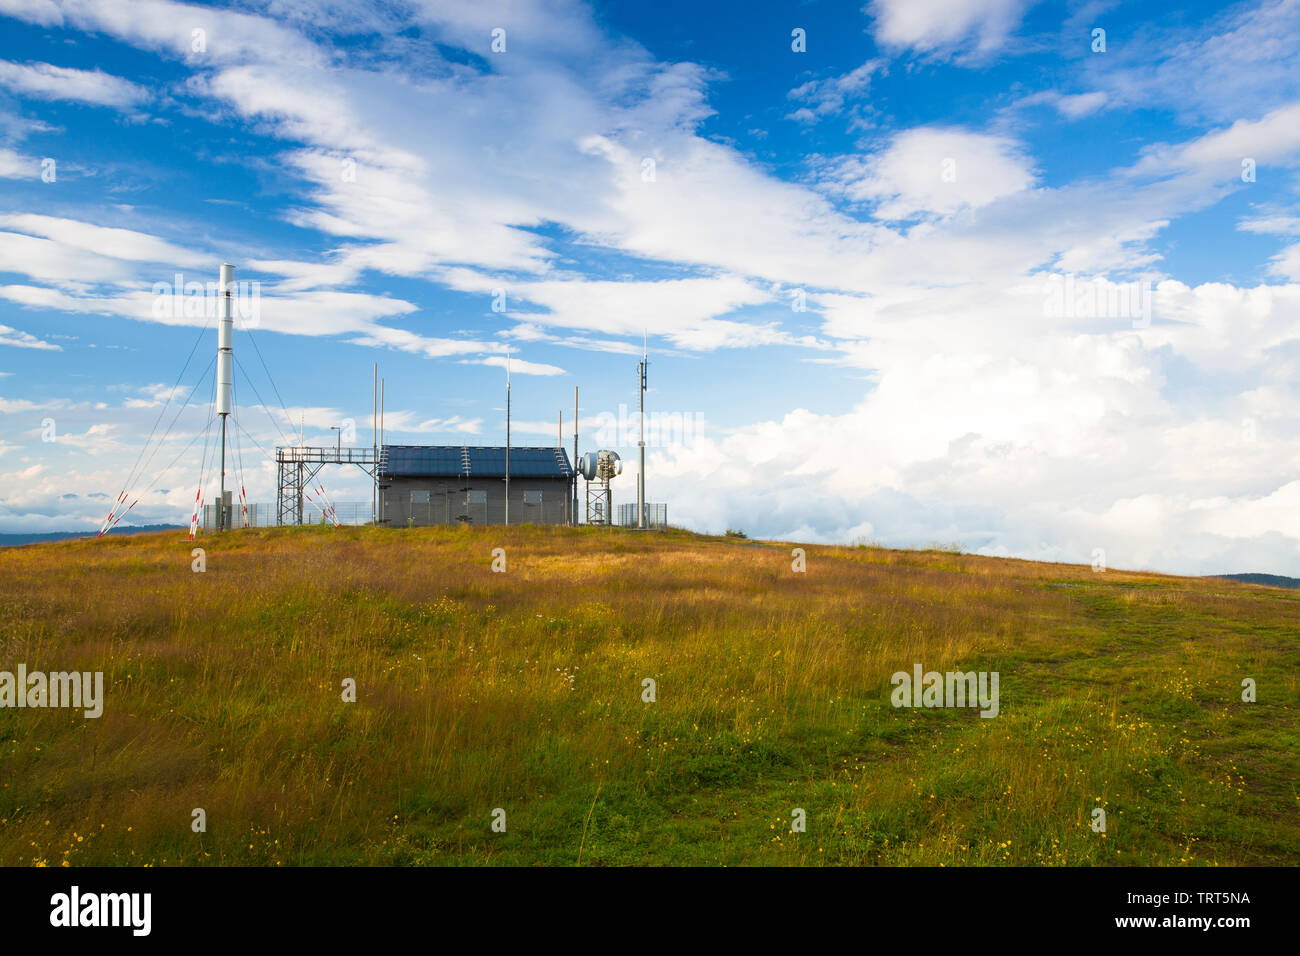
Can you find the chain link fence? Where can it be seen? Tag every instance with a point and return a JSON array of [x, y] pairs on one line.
[[656, 515], [262, 514]]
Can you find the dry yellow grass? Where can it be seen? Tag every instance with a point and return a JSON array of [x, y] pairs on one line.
[[523, 691]]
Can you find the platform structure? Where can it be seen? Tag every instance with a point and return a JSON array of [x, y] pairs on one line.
[[297, 466], [600, 503]]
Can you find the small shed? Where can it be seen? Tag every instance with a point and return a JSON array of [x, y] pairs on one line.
[[457, 484]]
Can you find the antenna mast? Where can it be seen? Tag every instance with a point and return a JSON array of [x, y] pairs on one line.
[[225, 375], [374, 441], [507, 438], [640, 475], [575, 456]]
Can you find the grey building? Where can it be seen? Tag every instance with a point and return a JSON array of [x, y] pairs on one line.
[[454, 484]]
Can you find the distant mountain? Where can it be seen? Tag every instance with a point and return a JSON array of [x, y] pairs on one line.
[[1273, 580], [11, 539]]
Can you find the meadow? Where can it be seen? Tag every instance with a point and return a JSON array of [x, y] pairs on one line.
[[524, 691]]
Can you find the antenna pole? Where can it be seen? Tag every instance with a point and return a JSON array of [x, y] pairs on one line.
[[374, 447], [640, 475], [507, 439], [381, 439], [575, 456], [225, 376]]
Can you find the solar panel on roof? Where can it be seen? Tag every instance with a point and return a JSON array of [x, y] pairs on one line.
[[484, 462]]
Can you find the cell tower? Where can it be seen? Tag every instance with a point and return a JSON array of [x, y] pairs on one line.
[[598, 467], [507, 438], [640, 475], [225, 374], [575, 455]]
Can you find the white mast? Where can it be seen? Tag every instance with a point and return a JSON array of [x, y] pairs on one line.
[[507, 438], [374, 441], [575, 455], [225, 374], [640, 476]]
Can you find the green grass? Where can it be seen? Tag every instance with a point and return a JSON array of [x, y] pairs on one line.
[[523, 691]]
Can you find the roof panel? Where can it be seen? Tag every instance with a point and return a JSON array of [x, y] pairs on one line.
[[445, 461]]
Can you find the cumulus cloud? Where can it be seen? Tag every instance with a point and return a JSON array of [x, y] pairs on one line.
[[927, 171], [1049, 449]]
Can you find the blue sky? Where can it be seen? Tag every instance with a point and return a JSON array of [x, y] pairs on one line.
[[845, 257]]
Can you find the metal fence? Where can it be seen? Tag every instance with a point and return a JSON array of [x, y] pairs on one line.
[[262, 514], [656, 515], [439, 511]]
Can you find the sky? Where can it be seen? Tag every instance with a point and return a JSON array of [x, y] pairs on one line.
[[1018, 276]]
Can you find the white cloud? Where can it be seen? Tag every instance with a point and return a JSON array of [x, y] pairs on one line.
[[14, 165], [927, 171], [1244, 60], [1070, 105], [828, 97], [45, 13], [98, 439], [946, 25], [1272, 225], [680, 310], [1003, 433], [24, 340], [105, 242], [47, 82], [1273, 138], [470, 426], [1077, 105], [169, 27], [58, 263], [517, 365], [1286, 264], [303, 313]]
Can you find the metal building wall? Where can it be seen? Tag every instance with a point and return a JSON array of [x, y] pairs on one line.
[[447, 501]]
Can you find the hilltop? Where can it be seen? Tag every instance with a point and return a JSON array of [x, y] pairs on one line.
[[8, 539], [524, 691]]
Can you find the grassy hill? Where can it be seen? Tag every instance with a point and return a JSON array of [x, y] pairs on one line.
[[33, 537], [523, 691]]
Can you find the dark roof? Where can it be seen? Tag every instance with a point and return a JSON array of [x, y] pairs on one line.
[[450, 461]]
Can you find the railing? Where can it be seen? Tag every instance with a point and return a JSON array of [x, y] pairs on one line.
[[326, 455]]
